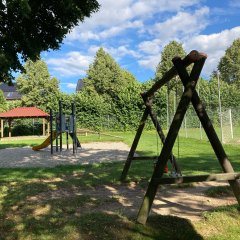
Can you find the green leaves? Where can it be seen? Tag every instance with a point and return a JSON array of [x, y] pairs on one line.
[[110, 96], [170, 51], [229, 65], [37, 86], [3, 102], [29, 27]]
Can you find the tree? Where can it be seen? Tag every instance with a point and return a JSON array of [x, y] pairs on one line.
[[229, 65], [3, 102], [104, 75], [170, 51], [37, 86], [91, 109], [28, 27], [115, 86]]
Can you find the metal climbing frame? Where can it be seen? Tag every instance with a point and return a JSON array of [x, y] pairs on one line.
[[189, 82]]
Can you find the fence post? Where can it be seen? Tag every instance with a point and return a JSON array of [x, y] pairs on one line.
[[230, 119]]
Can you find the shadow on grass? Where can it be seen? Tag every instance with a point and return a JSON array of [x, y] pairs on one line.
[[58, 219], [30, 208]]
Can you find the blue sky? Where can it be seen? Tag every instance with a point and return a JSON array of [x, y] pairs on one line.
[[134, 32]]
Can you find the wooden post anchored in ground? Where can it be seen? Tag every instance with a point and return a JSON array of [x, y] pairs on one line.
[[170, 139], [2, 128], [44, 127], [189, 95]]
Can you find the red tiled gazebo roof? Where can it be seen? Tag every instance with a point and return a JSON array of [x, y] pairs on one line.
[[24, 112]]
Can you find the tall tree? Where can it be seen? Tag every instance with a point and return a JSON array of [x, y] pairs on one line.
[[37, 86], [3, 102], [169, 52], [104, 75], [28, 27], [229, 65], [116, 86]]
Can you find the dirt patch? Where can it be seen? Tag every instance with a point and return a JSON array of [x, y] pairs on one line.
[[187, 203]]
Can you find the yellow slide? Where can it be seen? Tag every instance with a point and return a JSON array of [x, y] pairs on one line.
[[46, 142]]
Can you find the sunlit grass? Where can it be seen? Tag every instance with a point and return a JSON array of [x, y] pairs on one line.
[[43, 203]]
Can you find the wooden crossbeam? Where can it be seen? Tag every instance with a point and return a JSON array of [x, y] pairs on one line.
[[145, 158], [198, 178]]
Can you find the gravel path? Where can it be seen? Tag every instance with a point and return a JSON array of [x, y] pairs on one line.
[[90, 153]]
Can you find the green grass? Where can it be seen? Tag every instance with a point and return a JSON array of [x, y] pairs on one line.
[[28, 212], [219, 191], [220, 224]]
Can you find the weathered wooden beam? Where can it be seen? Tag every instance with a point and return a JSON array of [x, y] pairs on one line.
[[213, 139], [145, 158], [198, 178], [192, 57], [134, 145]]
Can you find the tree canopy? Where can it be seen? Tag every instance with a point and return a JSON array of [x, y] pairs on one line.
[[114, 92], [229, 65], [37, 86], [28, 27], [3, 102], [171, 50]]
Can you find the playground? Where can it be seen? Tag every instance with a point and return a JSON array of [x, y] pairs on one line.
[[50, 191]]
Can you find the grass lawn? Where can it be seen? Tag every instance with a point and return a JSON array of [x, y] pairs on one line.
[[29, 210]]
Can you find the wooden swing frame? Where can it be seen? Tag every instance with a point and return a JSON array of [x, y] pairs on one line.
[[189, 82]]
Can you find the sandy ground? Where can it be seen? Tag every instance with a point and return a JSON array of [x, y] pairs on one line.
[[90, 153], [188, 202]]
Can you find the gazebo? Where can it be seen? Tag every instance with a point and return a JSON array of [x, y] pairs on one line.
[[20, 113]]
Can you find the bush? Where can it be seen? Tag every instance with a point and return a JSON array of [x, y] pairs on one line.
[[24, 127]]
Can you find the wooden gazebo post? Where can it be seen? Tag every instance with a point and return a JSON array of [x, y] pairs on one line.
[[44, 127], [48, 127], [9, 127], [2, 128]]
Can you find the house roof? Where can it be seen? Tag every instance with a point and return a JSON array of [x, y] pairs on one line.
[[24, 112], [10, 92], [80, 85]]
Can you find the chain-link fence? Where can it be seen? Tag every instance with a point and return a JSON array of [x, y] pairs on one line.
[[226, 124]]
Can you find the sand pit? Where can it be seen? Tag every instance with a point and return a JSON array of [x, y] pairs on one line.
[[90, 153]]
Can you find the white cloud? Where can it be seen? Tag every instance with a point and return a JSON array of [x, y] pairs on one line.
[[150, 47], [71, 85], [73, 64], [143, 28], [150, 62], [214, 45], [78, 35], [122, 51], [183, 24], [234, 3], [116, 16]]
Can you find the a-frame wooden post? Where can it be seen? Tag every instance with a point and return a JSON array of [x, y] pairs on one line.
[[147, 98], [189, 95]]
